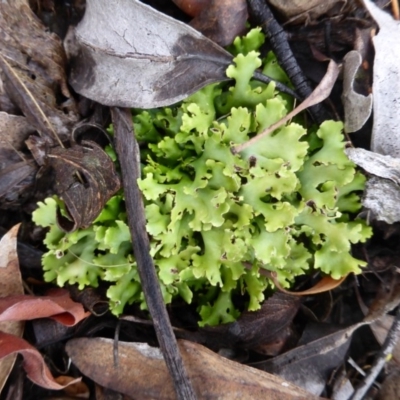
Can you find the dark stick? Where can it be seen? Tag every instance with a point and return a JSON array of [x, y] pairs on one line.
[[381, 359], [263, 16], [259, 76], [128, 155]]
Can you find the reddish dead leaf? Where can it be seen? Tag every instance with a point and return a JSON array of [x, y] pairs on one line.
[[34, 365], [326, 284], [10, 284], [141, 372], [222, 20], [192, 7], [56, 305]]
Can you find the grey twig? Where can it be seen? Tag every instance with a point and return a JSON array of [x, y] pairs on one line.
[[128, 155], [381, 359]]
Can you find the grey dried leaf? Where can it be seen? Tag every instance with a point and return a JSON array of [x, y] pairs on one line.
[[386, 83], [376, 164], [134, 56], [382, 192], [382, 198], [357, 108]]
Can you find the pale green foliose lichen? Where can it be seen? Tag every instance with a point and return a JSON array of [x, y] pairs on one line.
[[216, 219]]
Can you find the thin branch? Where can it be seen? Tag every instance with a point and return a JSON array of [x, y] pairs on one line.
[[128, 155], [381, 359], [259, 76], [320, 93], [263, 16]]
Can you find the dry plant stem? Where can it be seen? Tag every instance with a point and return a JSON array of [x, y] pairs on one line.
[[320, 93], [381, 359], [259, 76], [395, 9], [263, 16], [128, 155]]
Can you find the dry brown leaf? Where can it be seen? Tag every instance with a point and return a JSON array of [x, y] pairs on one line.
[[192, 7], [264, 326], [85, 199], [56, 305], [222, 20], [141, 372], [10, 284], [76, 389], [324, 285], [34, 365]]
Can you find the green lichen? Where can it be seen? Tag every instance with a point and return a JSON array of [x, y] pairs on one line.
[[216, 219]]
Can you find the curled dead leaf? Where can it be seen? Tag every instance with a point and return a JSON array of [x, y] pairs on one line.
[[34, 365], [357, 108], [56, 305], [10, 284], [324, 285], [85, 199]]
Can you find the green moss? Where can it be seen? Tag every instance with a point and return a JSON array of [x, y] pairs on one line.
[[215, 218]]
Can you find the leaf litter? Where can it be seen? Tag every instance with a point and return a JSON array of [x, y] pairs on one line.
[[17, 308], [244, 332]]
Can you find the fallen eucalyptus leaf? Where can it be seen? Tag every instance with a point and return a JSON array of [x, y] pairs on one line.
[[84, 199], [326, 284], [57, 305], [384, 166], [357, 108], [10, 284], [141, 372], [382, 191], [34, 365], [134, 56], [222, 20], [386, 83]]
